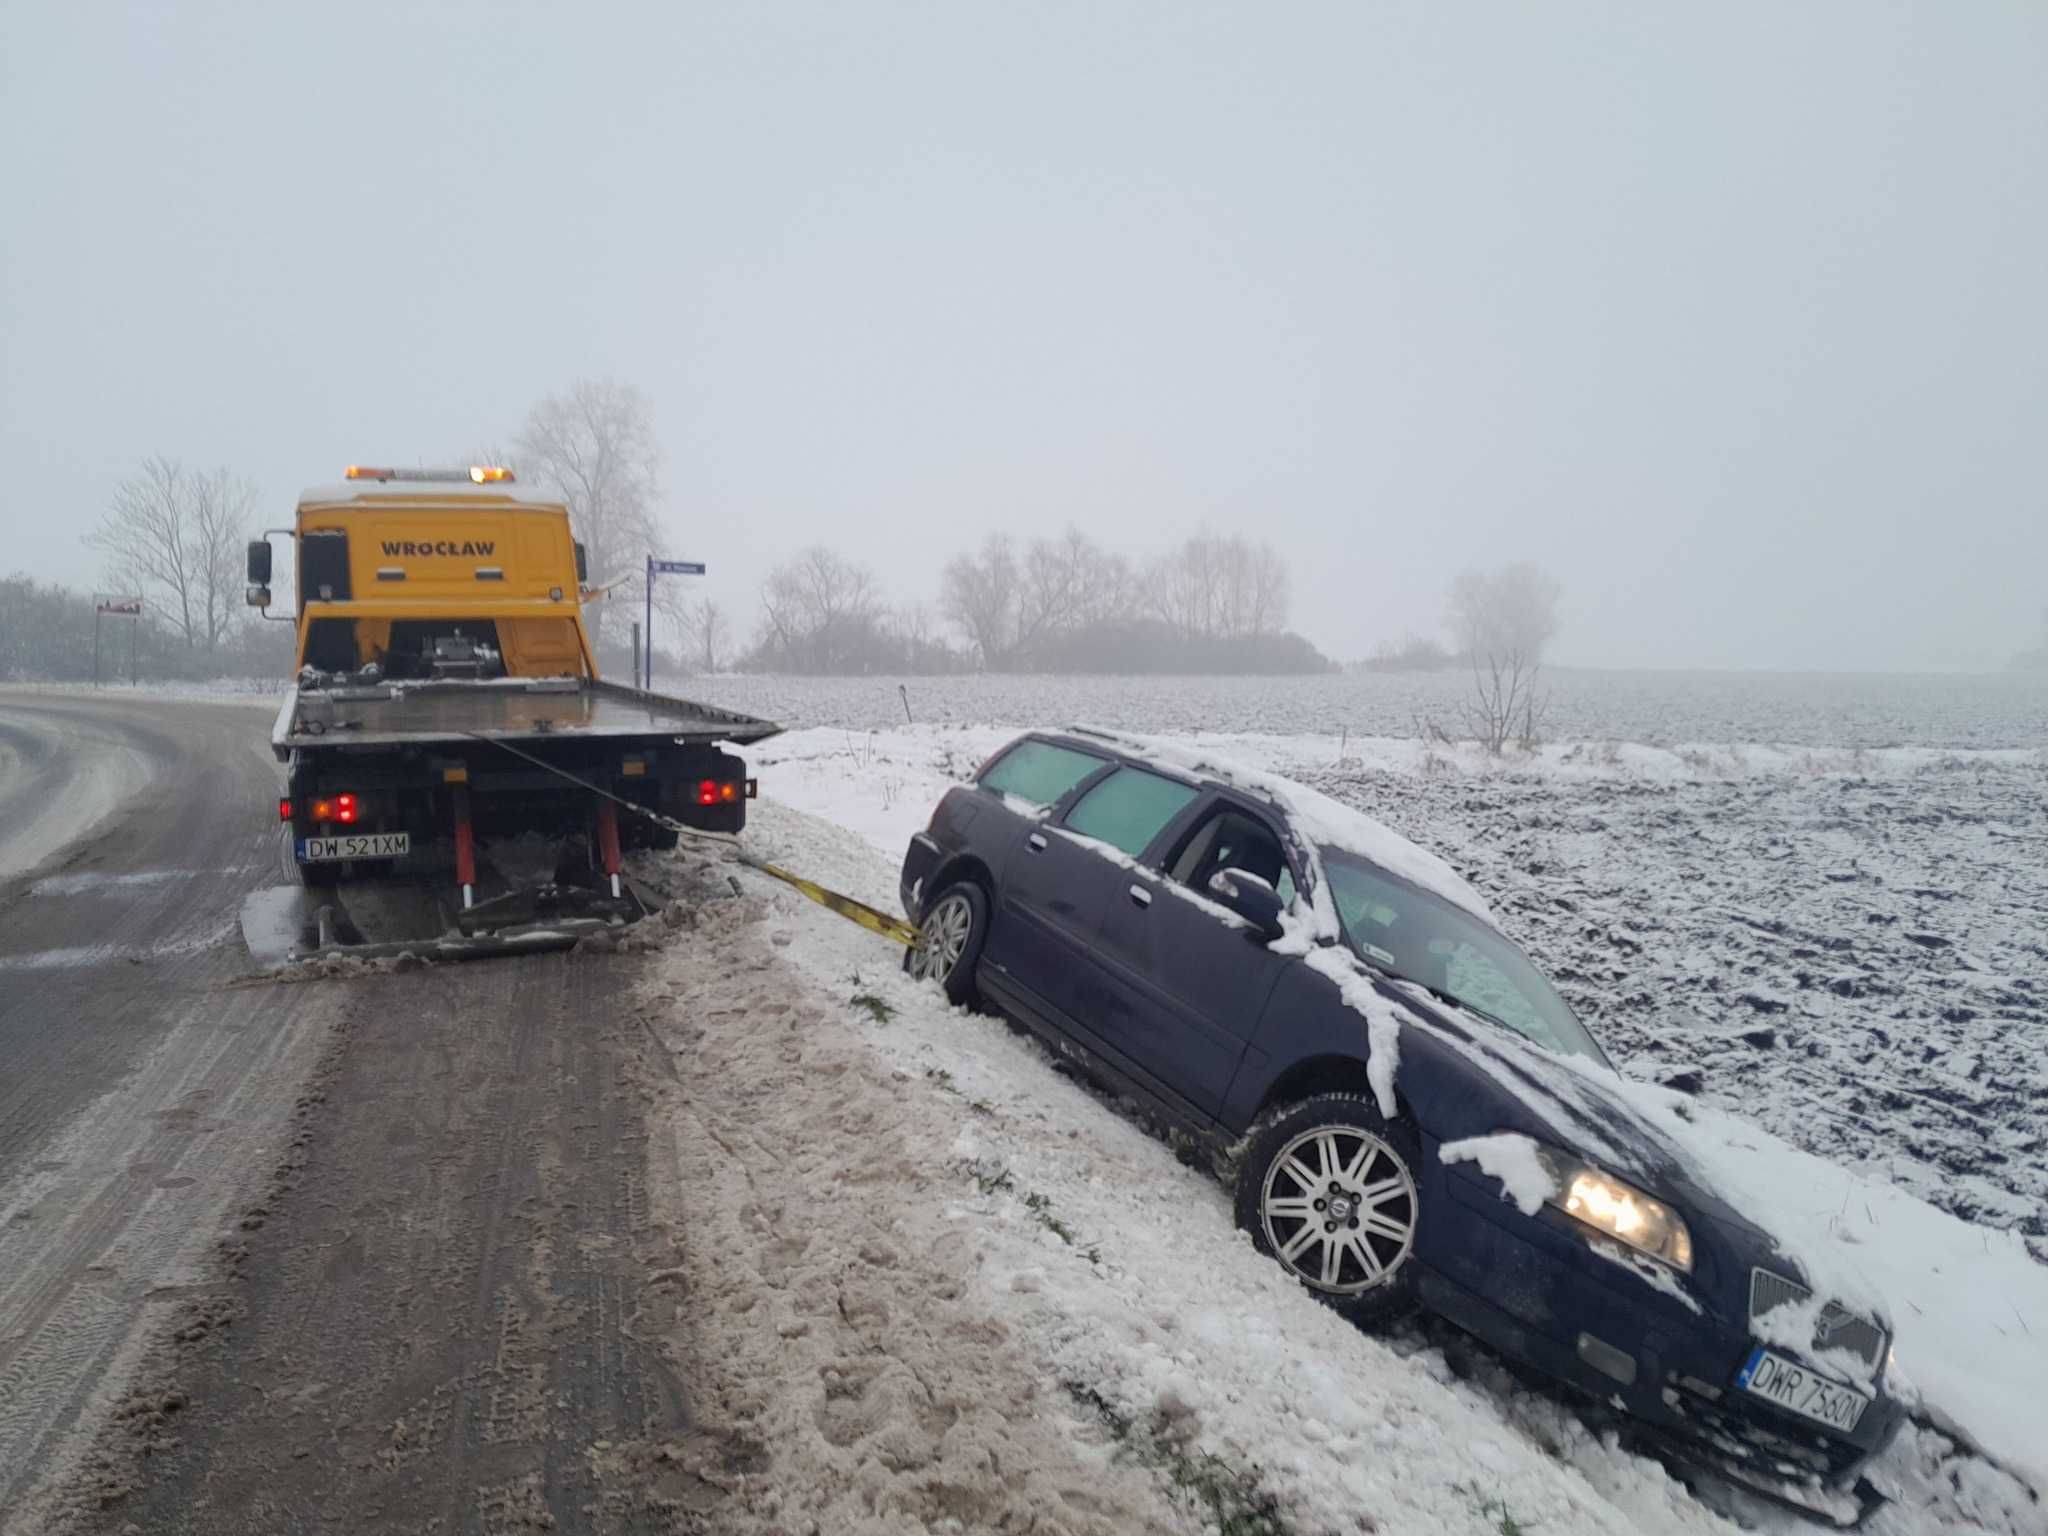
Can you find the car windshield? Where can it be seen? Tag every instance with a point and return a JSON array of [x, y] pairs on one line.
[[1409, 933]]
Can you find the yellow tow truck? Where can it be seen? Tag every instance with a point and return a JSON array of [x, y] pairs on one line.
[[446, 703]]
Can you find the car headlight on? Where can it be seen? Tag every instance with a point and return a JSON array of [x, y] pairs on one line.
[[1622, 1212]]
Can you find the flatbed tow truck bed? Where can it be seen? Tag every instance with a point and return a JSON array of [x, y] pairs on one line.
[[389, 783], [518, 710]]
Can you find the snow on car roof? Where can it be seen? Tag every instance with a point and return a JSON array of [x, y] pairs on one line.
[[1322, 820], [373, 492]]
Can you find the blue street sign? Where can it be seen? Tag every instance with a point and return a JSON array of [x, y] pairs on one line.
[[661, 568]]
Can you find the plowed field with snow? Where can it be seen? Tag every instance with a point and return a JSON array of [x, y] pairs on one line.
[[1842, 943]]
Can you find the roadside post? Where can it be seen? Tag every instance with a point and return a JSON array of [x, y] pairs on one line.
[[124, 607], [661, 568]]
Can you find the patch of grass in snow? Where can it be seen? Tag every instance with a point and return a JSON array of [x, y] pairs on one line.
[[943, 1079], [1496, 1509], [994, 1179], [876, 1008], [1041, 1208], [1235, 1500], [991, 1178]]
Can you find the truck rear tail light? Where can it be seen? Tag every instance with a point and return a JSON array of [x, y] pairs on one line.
[[284, 809], [711, 792], [342, 808]]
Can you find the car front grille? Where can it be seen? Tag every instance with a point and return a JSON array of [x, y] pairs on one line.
[[1838, 1328]]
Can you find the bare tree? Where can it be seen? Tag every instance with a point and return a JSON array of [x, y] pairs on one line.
[[1111, 592], [1181, 588], [1212, 588], [708, 634], [820, 613], [175, 536], [979, 594], [595, 445], [1501, 620], [1266, 591], [222, 508], [147, 541], [1055, 588]]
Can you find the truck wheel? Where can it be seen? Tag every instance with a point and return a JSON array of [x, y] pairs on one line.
[[1328, 1188], [949, 941]]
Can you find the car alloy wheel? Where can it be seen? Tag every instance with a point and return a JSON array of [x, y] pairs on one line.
[[942, 937], [1338, 1206]]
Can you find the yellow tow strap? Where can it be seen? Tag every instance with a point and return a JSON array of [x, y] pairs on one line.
[[832, 901], [853, 911]]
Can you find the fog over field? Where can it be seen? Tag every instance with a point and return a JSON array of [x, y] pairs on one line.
[[1729, 317], [1200, 768]]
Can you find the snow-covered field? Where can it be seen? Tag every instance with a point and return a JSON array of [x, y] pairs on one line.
[[1656, 708], [1847, 944]]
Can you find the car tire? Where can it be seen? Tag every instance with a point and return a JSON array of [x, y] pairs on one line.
[[949, 941], [1332, 1173]]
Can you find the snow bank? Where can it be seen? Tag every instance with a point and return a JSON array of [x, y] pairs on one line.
[[1968, 1302], [1121, 1271]]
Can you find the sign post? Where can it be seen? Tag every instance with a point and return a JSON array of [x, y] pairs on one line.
[[126, 607], [662, 568]]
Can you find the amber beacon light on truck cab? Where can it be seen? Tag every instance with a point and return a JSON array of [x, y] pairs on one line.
[[445, 708]]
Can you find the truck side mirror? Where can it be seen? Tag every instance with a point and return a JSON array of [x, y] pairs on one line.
[[257, 595], [582, 565], [259, 563]]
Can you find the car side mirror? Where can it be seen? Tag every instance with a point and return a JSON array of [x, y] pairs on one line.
[[259, 563], [1251, 898]]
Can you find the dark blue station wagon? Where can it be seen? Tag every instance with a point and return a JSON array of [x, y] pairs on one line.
[[1378, 1069]]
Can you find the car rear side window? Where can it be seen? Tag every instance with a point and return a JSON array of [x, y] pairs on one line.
[[1039, 772], [1129, 808]]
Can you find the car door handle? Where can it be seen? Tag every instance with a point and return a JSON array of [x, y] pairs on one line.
[[1035, 843], [1141, 896]]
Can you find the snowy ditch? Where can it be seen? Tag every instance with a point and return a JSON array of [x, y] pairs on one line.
[[1120, 1272]]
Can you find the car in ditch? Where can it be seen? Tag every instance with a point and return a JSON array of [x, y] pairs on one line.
[[1411, 1115]]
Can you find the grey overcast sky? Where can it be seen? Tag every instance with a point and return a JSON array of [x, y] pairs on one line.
[[1733, 315]]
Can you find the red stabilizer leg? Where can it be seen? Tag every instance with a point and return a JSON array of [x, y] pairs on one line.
[[465, 848], [608, 840]]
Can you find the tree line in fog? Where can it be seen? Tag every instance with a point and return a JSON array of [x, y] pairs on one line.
[[173, 536], [1064, 604]]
